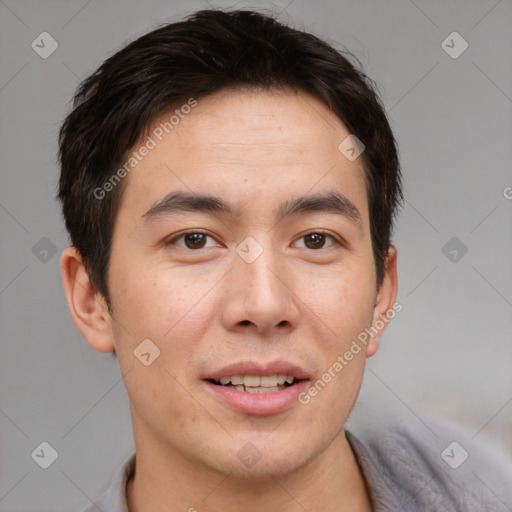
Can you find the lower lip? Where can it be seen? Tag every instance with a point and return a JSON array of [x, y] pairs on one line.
[[259, 403]]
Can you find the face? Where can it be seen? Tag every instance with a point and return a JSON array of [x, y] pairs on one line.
[[251, 293]]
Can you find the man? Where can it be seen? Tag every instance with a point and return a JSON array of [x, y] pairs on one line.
[[229, 185]]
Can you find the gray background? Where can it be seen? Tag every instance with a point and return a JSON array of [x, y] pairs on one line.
[[447, 354]]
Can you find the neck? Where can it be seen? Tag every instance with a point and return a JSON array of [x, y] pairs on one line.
[[166, 480]]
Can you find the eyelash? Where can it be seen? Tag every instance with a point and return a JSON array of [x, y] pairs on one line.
[[173, 240]]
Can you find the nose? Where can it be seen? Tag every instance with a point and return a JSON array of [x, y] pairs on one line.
[[259, 296]]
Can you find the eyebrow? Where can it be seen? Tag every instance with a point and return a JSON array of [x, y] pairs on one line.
[[328, 202]]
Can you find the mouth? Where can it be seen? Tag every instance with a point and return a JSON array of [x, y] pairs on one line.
[[258, 389], [256, 383]]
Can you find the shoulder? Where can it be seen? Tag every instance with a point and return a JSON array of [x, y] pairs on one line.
[[432, 465], [114, 499]]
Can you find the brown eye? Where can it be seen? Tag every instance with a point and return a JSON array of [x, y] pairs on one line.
[[192, 240], [316, 241], [195, 240]]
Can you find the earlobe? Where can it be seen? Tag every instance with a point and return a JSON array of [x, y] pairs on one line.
[[87, 306], [386, 298]]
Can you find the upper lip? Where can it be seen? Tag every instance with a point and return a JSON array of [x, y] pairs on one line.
[[259, 369]]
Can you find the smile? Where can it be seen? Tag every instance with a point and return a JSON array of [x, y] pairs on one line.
[[258, 388], [256, 383]]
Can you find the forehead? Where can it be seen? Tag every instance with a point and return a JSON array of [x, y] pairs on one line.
[[262, 144], [279, 120]]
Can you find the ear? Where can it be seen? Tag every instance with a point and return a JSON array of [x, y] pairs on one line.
[[88, 307], [385, 304]]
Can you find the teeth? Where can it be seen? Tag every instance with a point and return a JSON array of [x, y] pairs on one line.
[[269, 381], [272, 389], [255, 381]]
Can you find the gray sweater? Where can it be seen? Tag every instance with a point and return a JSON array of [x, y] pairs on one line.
[[407, 469]]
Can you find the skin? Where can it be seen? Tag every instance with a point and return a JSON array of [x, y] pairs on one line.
[[205, 308]]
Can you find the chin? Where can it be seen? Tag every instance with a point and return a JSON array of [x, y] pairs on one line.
[[264, 470], [259, 459]]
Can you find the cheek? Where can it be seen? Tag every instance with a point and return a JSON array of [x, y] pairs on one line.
[[157, 298], [166, 307], [340, 310], [171, 307], [342, 300]]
